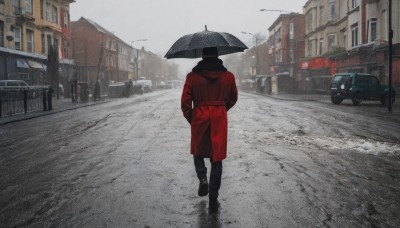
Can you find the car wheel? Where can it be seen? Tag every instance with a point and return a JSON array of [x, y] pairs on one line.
[[336, 99], [357, 99]]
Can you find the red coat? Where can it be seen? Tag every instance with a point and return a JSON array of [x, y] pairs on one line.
[[206, 98]]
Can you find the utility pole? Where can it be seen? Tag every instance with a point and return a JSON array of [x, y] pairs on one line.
[[390, 56]]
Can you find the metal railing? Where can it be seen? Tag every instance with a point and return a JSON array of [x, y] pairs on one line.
[[17, 100]]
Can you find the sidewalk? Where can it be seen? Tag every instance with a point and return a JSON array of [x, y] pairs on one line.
[[59, 105], [367, 106]]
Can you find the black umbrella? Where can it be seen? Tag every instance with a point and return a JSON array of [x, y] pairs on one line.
[[190, 46]]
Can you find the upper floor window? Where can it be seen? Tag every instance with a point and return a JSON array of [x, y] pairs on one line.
[[331, 41], [321, 43], [321, 15], [309, 48], [17, 38], [55, 15], [371, 30], [29, 41], [354, 35], [278, 36], [65, 20], [309, 21], [355, 3], [291, 30], [49, 15], [28, 6], [15, 4], [332, 11], [66, 49]]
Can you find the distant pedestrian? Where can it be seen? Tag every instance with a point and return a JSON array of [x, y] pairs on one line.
[[96, 95], [74, 86], [212, 89]]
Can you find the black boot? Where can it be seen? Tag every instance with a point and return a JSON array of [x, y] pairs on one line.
[[203, 187]]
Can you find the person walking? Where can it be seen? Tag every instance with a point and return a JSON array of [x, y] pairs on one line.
[[209, 92]]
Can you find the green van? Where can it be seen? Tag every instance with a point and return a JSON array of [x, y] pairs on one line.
[[358, 87]]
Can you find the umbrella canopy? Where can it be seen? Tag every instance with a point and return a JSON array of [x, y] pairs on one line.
[[190, 46]]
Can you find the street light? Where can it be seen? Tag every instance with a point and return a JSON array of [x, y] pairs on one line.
[[275, 10], [137, 57], [257, 56]]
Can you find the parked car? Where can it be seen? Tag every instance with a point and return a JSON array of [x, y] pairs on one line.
[[146, 84], [358, 87], [14, 83]]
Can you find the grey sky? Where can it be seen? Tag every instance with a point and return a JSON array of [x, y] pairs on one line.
[[162, 22]]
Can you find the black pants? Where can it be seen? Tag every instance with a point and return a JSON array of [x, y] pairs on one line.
[[215, 175]]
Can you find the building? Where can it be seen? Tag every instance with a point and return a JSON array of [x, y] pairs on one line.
[[286, 50], [99, 54], [349, 36], [27, 28]]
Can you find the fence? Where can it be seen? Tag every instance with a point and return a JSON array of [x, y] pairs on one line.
[[17, 100]]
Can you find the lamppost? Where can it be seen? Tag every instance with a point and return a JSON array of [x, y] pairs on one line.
[[257, 66], [137, 57], [275, 10]]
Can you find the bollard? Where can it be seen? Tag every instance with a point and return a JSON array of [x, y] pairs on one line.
[[44, 99], [50, 98], [25, 100]]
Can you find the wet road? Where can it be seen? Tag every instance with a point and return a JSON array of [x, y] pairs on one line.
[[126, 164]]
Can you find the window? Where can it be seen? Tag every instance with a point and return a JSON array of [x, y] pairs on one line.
[[15, 4], [331, 41], [291, 30], [65, 20], [66, 52], [43, 40], [371, 30], [344, 38], [55, 15], [29, 41], [28, 6], [309, 48], [332, 11], [321, 14], [48, 11], [291, 56], [354, 35], [321, 42], [17, 38], [373, 81], [355, 3], [309, 21], [41, 9], [278, 56], [278, 36]]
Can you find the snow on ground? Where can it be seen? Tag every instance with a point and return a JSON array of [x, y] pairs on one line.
[[369, 146]]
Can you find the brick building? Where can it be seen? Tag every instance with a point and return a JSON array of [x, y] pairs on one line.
[[99, 54]]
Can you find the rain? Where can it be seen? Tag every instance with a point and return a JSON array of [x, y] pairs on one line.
[[108, 149]]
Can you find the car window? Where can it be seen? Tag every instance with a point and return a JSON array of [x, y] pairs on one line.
[[340, 78], [373, 81], [12, 84], [361, 80]]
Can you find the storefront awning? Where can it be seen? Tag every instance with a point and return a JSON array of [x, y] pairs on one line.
[[34, 64], [21, 63]]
